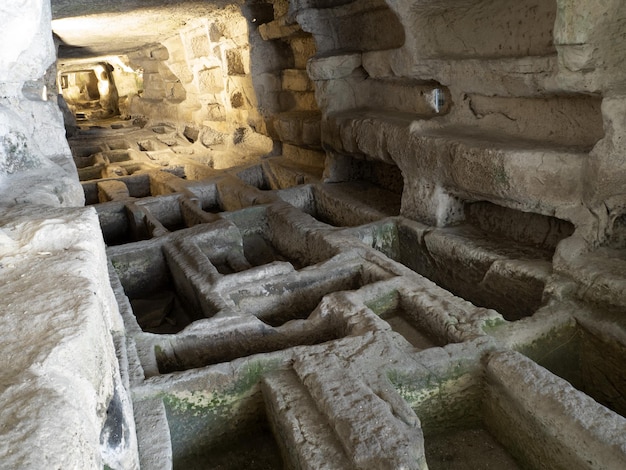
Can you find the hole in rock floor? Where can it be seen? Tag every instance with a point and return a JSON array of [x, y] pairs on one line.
[[115, 224], [138, 186], [590, 360], [400, 322], [489, 271], [255, 176], [258, 251], [280, 302], [220, 437], [404, 319], [160, 313], [467, 449], [157, 302]]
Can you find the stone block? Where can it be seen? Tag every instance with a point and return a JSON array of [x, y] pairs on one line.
[[199, 46], [296, 80], [182, 71], [303, 47], [278, 29], [112, 191], [159, 53], [297, 101], [235, 63], [333, 67], [210, 80], [191, 133]]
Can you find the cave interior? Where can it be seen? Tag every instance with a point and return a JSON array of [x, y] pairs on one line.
[[306, 234]]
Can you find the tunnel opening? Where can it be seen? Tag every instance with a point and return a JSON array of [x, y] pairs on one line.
[[89, 90]]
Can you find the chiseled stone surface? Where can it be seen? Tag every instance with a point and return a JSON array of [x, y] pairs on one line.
[[61, 364], [304, 434], [26, 26], [35, 160], [595, 438]]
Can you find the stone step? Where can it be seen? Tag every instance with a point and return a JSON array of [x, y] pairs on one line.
[[375, 430], [486, 269], [490, 271], [601, 275], [304, 156], [366, 201], [296, 80], [525, 75], [279, 28], [422, 97], [304, 435]]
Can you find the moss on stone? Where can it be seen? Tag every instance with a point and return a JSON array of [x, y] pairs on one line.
[[384, 303], [16, 155], [501, 177], [385, 239], [251, 375]]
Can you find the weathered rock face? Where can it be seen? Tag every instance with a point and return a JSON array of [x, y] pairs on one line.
[[26, 27], [33, 152], [63, 368], [339, 233], [61, 381], [507, 102]]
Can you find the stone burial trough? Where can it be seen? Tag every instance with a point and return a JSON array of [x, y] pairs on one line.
[[301, 327], [275, 319]]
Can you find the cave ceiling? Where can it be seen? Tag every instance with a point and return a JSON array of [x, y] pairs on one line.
[[88, 29]]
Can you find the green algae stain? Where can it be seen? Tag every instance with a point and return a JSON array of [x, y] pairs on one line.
[[441, 402], [251, 374], [501, 177], [201, 421], [198, 402], [384, 303], [492, 324], [385, 239]]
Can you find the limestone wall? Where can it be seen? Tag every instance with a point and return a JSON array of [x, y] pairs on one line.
[[241, 69], [515, 103], [202, 75], [35, 161], [64, 403]]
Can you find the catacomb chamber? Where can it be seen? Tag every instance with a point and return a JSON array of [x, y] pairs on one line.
[[411, 216], [315, 234]]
